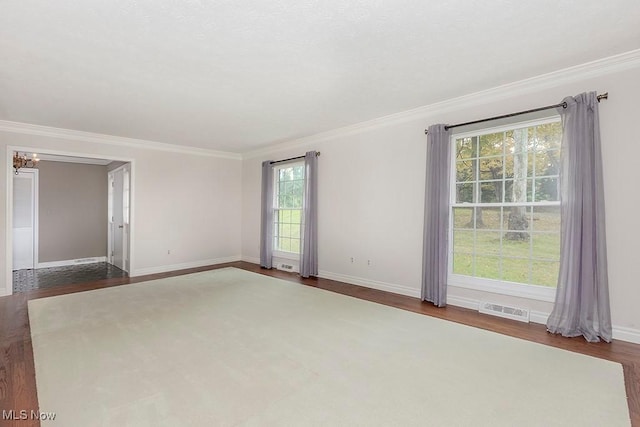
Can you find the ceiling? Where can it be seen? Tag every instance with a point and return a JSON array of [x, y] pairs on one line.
[[237, 76]]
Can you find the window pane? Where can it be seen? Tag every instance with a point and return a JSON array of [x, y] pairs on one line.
[[509, 142], [463, 241], [516, 218], [529, 190], [515, 248], [295, 245], [548, 136], [487, 242], [515, 270], [546, 218], [464, 193], [285, 244], [491, 144], [285, 215], [547, 189], [545, 273], [296, 216], [463, 217], [488, 267], [491, 168], [464, 148], [463, 264], [491, 191], [508, 191], [465, 170], [488, 218], [508, 166], [545, 163], [546, 245]]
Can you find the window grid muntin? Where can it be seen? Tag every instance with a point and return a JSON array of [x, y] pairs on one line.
[[532, 180]]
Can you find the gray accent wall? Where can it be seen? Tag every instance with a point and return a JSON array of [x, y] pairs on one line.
[[72, 211]]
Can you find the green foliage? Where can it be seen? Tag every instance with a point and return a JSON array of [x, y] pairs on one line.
[[290, 187], [289, 198], [487, 161]]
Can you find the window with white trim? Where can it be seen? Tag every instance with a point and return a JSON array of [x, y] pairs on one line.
[[505, 209], [288, 198]]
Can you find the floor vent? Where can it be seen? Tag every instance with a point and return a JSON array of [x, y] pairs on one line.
[[285, 267], [515, 313]]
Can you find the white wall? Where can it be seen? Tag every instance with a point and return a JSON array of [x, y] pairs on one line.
[[371, 185], [186, 203]]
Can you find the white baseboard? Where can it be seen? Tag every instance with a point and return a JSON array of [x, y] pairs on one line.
[[626, 334], [619, 332], [471, 304], [539, 317], [250, 259], [183, 266], [374, 284], [67, 262]]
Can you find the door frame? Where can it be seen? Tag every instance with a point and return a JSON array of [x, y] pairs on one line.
[[126, 241], [35, 197], [8, 289]]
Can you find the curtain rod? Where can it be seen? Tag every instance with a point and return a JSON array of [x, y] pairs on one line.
[[504, 116], [292, 158]]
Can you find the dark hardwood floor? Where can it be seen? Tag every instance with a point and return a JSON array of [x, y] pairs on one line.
[[40, 278], [17, 373]]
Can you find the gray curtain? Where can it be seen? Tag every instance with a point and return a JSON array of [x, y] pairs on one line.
[[582, 296], [436, 221], [266, 216], [309, 253]]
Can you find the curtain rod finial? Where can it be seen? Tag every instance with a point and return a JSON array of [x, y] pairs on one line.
[[603, 96]]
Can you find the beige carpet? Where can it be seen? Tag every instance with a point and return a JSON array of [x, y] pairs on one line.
[[229, 347]]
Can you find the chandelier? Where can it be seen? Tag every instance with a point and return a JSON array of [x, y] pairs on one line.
[[22, 161]]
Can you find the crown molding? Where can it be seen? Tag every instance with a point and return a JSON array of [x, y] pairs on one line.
[[98, 138], [604, 66], [71, 159]]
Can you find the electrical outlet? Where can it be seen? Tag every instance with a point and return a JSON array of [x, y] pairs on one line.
[[368, 262], [168, 251], [353, 260]]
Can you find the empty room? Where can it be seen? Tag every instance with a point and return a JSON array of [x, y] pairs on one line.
[[319, 213]]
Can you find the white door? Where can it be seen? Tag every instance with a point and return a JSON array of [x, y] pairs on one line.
[[25, 190], [119, 217]]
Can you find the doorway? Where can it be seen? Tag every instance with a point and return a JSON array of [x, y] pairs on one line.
[[28, 267]]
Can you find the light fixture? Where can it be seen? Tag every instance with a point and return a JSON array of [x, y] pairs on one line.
[[22, 161]]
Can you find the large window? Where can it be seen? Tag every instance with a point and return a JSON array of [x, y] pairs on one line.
[[505, 209], [289, 191]]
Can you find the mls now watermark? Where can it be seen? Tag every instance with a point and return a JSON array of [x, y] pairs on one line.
[[28, 415]]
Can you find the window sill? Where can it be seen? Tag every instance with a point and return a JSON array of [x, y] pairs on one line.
[[286, 255], [540, 293]]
